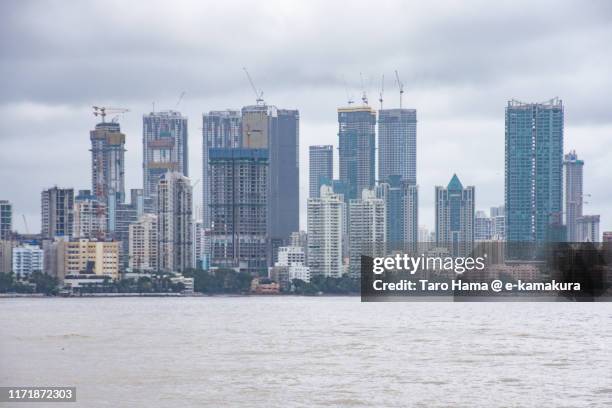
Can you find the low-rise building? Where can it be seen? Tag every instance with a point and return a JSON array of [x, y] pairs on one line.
[[86, 256], [27, 259]]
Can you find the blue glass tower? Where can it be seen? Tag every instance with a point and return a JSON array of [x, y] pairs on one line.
[[357, 148], [534, 165]]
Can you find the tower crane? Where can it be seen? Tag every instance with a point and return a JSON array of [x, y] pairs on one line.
[[258, 93], [400, 84], [349, 98], [382, 91], [180, 99], [102, 111], [364, 95]]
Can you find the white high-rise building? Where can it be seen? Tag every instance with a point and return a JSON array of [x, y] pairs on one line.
[[367, 229], [587, 228], [89, 216], [174, 223], [27, 259], [143, 244], [326, 215]]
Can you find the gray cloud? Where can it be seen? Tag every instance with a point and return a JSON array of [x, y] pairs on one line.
[[460, 61]]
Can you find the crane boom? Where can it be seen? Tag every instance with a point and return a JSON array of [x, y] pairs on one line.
[[258, 93], [102, 111], [400, 84], [382, 91]]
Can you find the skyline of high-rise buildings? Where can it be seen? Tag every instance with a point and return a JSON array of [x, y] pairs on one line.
[[250, 178]]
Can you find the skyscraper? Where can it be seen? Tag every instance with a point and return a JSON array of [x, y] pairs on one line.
[[57, 206], [357, 148], [6, 220], [220, 129], [284, 179], [326, 219], [267, 127], [321, 167], [107, 163], [455, 217], [174, 223], [397, 144], [164, 137], [367, 229], [238, 208], [573, 194], [534, 165]]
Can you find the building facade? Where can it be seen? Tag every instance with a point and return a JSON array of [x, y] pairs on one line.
[[27, 259], [57, 212], [89, 216], [220, 129], [91, 257], [357, 148], [238, 206], [534, 165], [165, 149], [321, 167], [6, 220], [174, 223], [108, 163], [397, 129], [587, 228], [367, 229], [455, 218], [573, 195], [143, 241], [326, 226]]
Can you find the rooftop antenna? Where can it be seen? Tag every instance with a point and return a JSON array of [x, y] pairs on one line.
[[400, 84], [364, 96], [258, 93], [382, 91]]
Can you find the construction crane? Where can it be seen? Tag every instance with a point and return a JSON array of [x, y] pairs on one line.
[[102, 111], [364, 95], [25, 222], [382, 91], [258, 93], [180, 99], [400, 84], [349, 98]]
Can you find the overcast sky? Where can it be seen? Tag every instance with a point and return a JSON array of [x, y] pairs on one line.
[[460, 62]]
